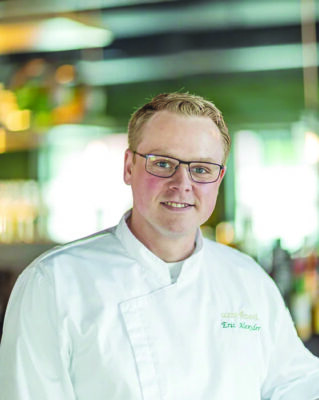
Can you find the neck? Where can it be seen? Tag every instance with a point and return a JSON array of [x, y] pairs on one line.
[[169, 248]]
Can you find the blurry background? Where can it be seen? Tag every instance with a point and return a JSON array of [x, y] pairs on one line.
[[71, 74]]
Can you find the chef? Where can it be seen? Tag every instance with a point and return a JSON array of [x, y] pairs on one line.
[[149, 309]]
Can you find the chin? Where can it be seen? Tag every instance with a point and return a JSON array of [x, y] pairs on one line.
[[177, 231]]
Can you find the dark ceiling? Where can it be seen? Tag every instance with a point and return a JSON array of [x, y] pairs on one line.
[[245, 53]]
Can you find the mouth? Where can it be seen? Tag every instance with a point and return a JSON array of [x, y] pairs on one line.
[[176, 205]]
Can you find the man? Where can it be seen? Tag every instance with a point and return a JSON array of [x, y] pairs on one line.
[[149, 309]]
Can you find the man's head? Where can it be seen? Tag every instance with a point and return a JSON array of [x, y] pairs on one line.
[[179, 103], [175, 166]]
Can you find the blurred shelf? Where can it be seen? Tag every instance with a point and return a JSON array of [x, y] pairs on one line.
[[17, 256], [20, 141]]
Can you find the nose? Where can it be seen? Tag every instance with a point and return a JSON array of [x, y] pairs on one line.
[[181, 180]]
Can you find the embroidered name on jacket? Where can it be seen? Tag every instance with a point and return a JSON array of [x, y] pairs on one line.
[[240, 320]]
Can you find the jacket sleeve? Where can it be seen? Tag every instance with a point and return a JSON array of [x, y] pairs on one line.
[[293, 372], [34, 354]]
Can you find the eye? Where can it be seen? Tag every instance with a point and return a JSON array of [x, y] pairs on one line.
[[163, 164], [200, 170]]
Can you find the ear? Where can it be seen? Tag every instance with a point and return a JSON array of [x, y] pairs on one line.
[[222, 174], [128, 163]]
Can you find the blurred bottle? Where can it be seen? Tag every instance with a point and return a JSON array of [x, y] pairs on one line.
[[23, 214], [311, 275], [248, 242], [300, 301], [315, 316], [314, 262], [281, 269], [308, 255]]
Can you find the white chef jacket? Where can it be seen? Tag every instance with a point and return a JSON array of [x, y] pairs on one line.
[[100, 319]]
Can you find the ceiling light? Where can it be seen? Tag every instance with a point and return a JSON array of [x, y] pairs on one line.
[[52, 34]]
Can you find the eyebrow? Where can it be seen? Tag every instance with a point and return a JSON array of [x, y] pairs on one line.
[[167, 154]]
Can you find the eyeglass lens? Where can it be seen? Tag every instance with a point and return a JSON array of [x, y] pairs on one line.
[[166, 167]]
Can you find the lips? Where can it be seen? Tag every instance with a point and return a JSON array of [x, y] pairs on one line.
[[176, 204]]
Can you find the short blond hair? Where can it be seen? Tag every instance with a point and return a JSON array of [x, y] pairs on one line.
[[179, 103]]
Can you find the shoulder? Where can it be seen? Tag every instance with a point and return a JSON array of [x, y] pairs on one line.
[[78, 251], [236, 266], [229, 255], [241, 280]]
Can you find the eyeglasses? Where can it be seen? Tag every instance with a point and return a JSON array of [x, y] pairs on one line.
[[165, 167]]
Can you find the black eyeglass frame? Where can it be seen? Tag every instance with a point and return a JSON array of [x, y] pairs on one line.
[[146, 156]]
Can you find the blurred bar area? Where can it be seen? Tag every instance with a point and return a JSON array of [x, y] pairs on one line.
[[72, 73]]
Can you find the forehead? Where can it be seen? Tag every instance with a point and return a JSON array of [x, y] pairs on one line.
[[184, 136], [162, 117]]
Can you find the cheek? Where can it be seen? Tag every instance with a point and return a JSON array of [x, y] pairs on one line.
[[209, 197], [153, 183], [150, 186], [146, 188]]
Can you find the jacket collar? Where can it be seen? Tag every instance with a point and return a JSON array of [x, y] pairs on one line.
[[153, 265]]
